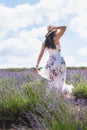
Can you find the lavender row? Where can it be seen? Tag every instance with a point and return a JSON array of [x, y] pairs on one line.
[[73, 75]]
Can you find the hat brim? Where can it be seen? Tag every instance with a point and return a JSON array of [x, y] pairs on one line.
[[50, 32]]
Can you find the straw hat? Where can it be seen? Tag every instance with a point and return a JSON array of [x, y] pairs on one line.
[[51, 31]]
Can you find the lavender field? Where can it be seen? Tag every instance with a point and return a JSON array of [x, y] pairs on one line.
[[25, 103]]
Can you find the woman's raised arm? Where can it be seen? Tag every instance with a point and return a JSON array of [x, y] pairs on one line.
[[60, 33]]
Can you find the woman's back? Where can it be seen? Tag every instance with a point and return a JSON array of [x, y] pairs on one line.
[[54, 51]]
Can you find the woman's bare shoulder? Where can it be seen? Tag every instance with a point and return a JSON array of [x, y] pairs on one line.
[[57, 42], [43, 44]]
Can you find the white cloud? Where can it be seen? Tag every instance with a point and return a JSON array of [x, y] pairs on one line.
[[25, 15], [70, 60], [23, 27], [22, 49], [79, 22], [82, 51], [82, 64], [19, 48]]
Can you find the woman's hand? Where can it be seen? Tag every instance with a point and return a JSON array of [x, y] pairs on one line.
[[37, 69], [50, 28]]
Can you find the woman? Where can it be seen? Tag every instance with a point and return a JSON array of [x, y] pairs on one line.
[[55, 69]]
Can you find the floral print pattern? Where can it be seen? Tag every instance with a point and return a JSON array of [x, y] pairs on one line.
[[55, 68], [55, 71]]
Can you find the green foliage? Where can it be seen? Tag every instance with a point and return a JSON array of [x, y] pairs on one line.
[[47, 107], [80, 91], [78, 79], [34, 93], [14, 100], [81, 67], [16, 69]]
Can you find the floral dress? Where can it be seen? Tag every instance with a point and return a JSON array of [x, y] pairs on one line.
[[55, 71]]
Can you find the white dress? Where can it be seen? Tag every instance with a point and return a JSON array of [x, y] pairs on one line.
[[55, 71]]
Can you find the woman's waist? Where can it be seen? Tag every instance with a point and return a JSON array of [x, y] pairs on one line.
[[55, 54], [57, 57]]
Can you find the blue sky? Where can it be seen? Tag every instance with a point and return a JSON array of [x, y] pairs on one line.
[[13, 3], [23, 25]]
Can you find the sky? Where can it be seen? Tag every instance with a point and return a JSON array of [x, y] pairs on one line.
[[23, 25]]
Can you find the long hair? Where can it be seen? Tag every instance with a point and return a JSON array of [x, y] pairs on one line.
[[49, 41]]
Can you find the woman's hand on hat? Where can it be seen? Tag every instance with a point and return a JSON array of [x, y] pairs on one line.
[[50, 28]]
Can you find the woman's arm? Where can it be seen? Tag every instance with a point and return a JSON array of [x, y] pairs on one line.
[[40, 55], [60, 33]]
